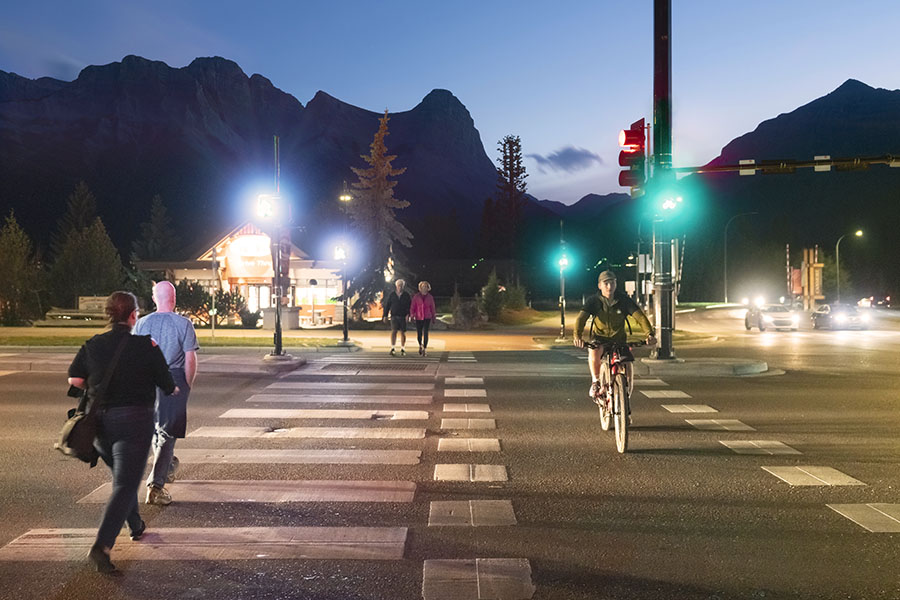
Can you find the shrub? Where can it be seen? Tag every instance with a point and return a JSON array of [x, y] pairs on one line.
[[492, 296], [249, 320], [515, 298]]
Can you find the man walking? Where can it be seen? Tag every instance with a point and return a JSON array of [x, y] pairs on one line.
[[397, 306], [175, 336]]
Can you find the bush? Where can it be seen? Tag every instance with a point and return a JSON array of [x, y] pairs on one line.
[[249, 320], [492, 296], [515, 298], [466, 315]]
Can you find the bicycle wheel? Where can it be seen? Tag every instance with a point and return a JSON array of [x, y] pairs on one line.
[[620, 412], [605, 417]]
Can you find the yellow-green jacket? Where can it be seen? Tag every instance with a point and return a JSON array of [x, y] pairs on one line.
[[608, 318]]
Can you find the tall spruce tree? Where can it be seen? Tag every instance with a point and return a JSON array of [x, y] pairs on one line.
[[88, 265], [373, 213], [510, 193], [19, 276], [81, 210], [157, 240]]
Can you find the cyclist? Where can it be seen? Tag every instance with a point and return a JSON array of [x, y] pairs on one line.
[[608, 311]]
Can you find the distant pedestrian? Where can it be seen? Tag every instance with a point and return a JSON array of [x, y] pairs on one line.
[[178, 342], [423, 311], [397, 306], [125, 414]]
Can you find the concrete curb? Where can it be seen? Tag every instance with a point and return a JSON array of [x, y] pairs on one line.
[[705, 367]]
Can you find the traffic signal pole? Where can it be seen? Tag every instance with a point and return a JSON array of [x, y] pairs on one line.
[[663, 281]]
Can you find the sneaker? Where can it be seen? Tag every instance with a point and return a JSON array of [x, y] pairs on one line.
[[595, 390], [173, 466], [422, 350], [159, 496], [392, 352], [402, 352]]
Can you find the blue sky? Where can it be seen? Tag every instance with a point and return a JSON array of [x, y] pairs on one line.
[[565, 76]]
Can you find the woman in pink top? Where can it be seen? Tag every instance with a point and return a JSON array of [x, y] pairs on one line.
[[422, 310]]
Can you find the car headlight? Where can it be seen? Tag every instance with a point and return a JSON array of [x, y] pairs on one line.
[[840, 318], [795, 320], [865, 318], [767, 318]]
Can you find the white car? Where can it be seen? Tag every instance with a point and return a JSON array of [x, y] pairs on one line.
[[776, 316]]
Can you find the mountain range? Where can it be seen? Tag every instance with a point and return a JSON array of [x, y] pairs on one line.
[[201, 136]]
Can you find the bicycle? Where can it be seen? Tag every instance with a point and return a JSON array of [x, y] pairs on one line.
[[615, 403]]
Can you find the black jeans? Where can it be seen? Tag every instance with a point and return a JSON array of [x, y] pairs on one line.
[[422, 331], [124, 444]]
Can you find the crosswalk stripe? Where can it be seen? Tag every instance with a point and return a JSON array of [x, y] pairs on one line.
[[336, 386], [464, 381], [297, 456], [758, 447], [315, 413], [467, 408], [475, 578], [464, 393], [468, 445], [471, 513], [664, 394], [340, 399], [874, 517], [471, 473], [689, 408], [5, 373], [719, 424], [468, 424], [217, 543], [275, 491], [648, 381], [812, 476], [394, 433]]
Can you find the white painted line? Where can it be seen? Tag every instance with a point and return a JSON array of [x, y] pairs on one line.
[[465, 393], [464, 380], [339, 385], [300, 413], [472, 473], [468, 445], [719, 425], [876, 518], [812, 476], [340, 399], [278, 491], [769, 447], [299, 457], [468, 408], [217, 543], [382, 433], [5, 373], [468, 424], [664, 394], [477, 579], [689, 408], [471, 513], [648, 381]]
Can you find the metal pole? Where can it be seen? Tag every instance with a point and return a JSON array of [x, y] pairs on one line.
[[837, 264], [212, 320], [278, 346], [562, 304], [662, 164], [344, 298]]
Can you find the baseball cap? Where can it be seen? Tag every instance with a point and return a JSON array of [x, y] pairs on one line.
[[605, 275]]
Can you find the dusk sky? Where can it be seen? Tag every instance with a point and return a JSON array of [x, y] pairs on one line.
[[564, 76]]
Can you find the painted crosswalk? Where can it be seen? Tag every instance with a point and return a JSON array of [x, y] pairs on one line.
[[808, 476], [348, 433], [342, 386], [324, 413], [332, 456], [874, 517], [341, 399]]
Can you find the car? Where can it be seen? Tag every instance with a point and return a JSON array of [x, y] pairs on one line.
[[776, 316], [839, 316]]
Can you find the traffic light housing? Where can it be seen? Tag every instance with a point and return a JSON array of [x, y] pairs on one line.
[[634, 157]]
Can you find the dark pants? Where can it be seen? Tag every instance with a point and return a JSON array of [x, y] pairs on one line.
[[422, 331], [124, 444]]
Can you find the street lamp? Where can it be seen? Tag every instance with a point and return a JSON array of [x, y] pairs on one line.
[[837, 260], [340, 253], [563, 263], [267, 209], [725, 257]]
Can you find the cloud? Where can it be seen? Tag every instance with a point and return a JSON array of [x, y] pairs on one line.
[[568, 159]]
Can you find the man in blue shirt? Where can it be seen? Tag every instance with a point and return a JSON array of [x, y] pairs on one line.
[[176, 338]]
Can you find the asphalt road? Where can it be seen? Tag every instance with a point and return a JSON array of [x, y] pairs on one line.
[[680, 516]]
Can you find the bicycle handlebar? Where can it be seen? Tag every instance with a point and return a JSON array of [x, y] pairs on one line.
[[636, 344]]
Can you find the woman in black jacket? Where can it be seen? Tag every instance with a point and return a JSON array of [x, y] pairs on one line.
[[125, 414]]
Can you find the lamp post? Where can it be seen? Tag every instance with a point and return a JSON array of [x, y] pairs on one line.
[[340, 253], [725, 255], [563, 263], [837, 260], [267, 209]]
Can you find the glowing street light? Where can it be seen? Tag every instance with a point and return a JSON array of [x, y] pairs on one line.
[[837, 260], [563, 264], [340, 253]]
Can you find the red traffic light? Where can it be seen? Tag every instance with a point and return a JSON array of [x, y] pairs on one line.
[[632, 138], [633, 157]]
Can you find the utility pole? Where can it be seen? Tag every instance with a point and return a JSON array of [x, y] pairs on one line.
[[662, 173]]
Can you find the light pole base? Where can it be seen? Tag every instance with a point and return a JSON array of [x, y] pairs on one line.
[[346, 343]]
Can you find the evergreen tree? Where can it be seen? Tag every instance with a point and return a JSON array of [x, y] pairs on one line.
[[157, 240], [81, 211], [372, 211], [510, 193], [88, 264], [19, 275]]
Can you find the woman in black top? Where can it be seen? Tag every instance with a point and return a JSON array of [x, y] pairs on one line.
[[125, 414]]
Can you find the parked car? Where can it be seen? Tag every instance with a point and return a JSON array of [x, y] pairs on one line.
[[776, 316], [839, 316]]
